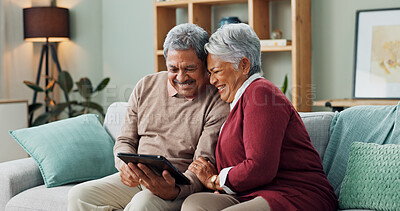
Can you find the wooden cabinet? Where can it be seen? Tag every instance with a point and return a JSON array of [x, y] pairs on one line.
[[14, 115], [200, 13]]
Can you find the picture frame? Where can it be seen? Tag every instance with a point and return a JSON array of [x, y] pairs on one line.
[[377, 54]]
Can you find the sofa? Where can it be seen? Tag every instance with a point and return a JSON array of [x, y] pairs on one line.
[[22, 187]]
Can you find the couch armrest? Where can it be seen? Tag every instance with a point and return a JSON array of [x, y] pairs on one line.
[[17, 176]]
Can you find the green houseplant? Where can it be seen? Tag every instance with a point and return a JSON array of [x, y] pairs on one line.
[[285, 84], [74, 108]]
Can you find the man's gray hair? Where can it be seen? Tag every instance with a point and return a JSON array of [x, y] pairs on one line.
[[187, 36], [232, 42]]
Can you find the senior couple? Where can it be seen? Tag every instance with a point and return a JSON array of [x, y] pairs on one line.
[[233, 133]]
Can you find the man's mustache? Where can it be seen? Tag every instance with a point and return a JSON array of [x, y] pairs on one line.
[[185, 82]]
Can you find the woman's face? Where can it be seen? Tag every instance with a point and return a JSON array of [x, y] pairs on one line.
[[225, 77]]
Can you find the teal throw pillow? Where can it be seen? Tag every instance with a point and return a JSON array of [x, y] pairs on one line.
[[70, 150], [372, 179]]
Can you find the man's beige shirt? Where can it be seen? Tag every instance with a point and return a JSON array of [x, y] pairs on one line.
[[172, 126]]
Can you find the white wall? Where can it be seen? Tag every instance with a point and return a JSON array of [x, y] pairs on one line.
[[115, 39], [333, 34], [82, 55], [17, 63], [128, 45]]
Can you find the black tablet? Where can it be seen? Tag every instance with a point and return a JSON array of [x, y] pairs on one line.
[[157, 163]]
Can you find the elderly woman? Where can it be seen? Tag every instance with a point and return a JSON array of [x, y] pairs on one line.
[[264, 156]]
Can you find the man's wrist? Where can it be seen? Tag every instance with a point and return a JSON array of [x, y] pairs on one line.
[[176, 192]]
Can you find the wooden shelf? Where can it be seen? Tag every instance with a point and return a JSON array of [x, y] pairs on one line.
[[217, 2], [172, 4], [276, 48], [180, 3], [200, 13], [353, 102]]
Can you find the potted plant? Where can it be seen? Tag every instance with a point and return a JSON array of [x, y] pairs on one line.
[[74, 108]]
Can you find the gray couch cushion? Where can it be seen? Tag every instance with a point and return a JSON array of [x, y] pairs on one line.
[[317, 125], [17, 176], [356, 210], [41, 198], [114, 118]]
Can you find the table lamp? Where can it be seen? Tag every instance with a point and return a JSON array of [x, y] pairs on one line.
[[48, 25]]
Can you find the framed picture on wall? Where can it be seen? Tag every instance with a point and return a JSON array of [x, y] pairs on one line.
[[377, 54]]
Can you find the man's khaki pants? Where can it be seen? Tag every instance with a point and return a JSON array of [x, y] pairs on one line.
[[109, 193]]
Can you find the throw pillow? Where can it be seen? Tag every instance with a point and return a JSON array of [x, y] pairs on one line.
[[70, 150], [372, 179]]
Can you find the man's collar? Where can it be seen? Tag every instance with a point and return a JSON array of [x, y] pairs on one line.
[[172, 92]]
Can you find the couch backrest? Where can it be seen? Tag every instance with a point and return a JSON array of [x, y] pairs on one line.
[[114, 118], [317, 124]]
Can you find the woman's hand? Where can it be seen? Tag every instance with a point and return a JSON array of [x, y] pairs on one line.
[[204, 170]]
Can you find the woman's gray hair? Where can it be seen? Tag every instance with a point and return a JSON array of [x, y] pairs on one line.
[[232, 42], [187, 36]]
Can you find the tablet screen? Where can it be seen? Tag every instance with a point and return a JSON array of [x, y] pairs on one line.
[[157, 163]]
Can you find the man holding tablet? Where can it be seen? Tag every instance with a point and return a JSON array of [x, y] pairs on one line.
[[175, 114]]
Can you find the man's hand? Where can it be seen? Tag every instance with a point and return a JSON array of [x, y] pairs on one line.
[[163, 187], [128, 177], [204, 170]]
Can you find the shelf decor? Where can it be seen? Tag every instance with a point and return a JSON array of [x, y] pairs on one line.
[[201, 12], [377, 54]]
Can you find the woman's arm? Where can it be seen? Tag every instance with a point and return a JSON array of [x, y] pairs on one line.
[[266, 114], [206, 173]]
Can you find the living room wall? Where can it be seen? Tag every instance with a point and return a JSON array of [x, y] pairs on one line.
[[109, 39], [333, 34], [128, 49], [332, 44], [115, 39]]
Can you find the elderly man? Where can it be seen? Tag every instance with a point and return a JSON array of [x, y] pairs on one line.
[[176, 114]]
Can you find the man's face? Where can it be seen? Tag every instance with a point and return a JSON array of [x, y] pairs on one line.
[[186, 72]]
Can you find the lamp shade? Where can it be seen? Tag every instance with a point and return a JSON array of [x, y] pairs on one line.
[[41, 23]]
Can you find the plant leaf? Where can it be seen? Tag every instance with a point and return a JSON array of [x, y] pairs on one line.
[[34, 107], [93, 105], [50, 86], [285, 85], [102, 85], [42, 119], [85, 87], [33, 86], [65, 81], [52, 103], [77, 113], [59, 108]]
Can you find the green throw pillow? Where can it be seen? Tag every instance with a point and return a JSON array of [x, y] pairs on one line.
[[372, 179], [70, 150]]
